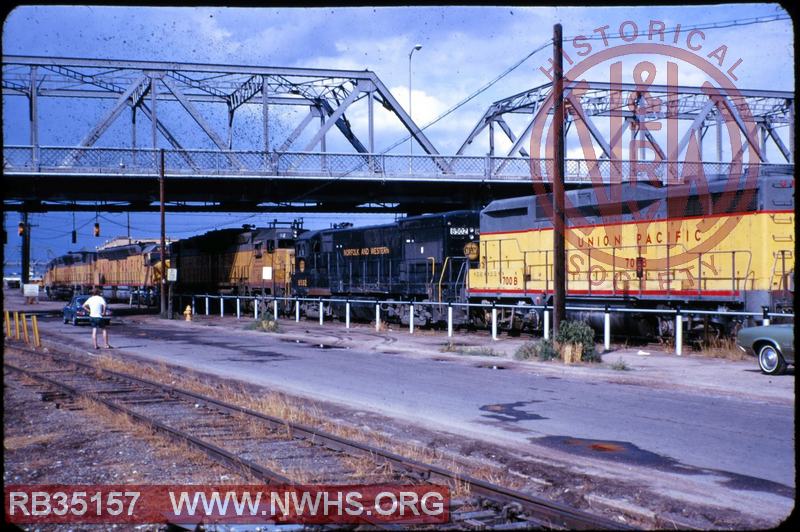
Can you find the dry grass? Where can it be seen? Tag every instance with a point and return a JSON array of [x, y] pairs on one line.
[[721, 348], [14, 443]]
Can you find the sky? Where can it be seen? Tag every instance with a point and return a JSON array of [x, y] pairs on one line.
[[463, 49]]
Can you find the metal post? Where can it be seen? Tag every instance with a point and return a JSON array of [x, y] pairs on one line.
[[297, 310], [194, 311], [559, 266], [238, 315], [221, 306], [494, 322], [16, 325], [607, 330], [377, 316], [255, 310], [765, 314], [275, 309], [207, 311], [321, 308], [163, 248], [347, 315], [678, 332], [546, 324], [411, 319], [449, 320], [25, 329], [37, 342], [7, 316]]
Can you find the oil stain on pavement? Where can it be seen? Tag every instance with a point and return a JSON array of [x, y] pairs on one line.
[[628, 453], [511, 412]]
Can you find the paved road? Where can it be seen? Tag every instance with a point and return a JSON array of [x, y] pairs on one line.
[[734, 442]]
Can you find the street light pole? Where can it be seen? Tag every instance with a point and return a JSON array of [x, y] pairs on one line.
[[411, 140]]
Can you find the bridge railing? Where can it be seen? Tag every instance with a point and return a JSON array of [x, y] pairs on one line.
[[128, 161]]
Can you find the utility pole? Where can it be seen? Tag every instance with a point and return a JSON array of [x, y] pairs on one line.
[[559, 262], [163, 236], [25, 274]]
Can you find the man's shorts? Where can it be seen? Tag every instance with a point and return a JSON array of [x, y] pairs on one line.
[[98, 322]]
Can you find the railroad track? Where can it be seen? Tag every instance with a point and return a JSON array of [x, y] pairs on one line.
[[253, 443]]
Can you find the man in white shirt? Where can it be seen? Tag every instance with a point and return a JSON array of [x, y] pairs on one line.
[[96, 306]]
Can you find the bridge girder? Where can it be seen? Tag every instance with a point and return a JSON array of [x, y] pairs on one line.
[[234, 86]]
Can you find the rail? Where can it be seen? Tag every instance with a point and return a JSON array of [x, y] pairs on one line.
[[143, 162], [535, 511], [678, 314]]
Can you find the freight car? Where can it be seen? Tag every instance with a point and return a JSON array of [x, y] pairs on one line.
[[420, 258], [123, 272], [243, 261], [642, 246]]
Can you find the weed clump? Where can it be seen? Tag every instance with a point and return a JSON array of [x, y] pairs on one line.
[[267, 324], [620, 365], [538, 349], [578, 333], [451, 347]]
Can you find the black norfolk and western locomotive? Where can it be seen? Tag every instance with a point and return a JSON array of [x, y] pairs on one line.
[[424, 259]]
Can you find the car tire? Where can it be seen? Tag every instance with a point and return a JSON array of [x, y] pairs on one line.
[[770, 360]]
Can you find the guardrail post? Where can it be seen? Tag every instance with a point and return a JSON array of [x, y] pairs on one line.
[[765, 314], [347, 314], [449, 320], [411, 319], [320, 311], [546, 324], [607, 330], [275, 309], [296, 310], [207, 311], [678, 332], [37, 342], [238, 314], [494, 322], [194, 312], [25, 329], [377, 316], [221, 307], [255, 308]]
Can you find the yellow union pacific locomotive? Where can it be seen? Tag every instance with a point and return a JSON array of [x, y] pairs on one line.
[[241, 261], [640, 246], [121, 271]]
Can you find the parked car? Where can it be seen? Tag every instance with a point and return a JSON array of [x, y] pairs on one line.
[[772, 344], [75, 313]]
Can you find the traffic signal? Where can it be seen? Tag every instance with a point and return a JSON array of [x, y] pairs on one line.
[[21, 229], [96, 229]]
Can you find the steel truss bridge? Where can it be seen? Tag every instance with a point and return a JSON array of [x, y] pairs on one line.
[[297, 172]]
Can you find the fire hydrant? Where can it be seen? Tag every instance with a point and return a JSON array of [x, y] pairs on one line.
[[187, 314]]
